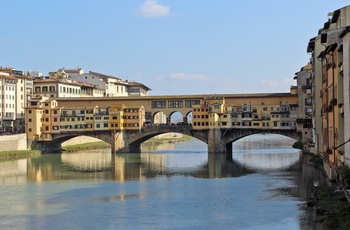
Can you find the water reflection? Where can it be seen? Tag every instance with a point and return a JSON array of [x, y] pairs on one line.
[[266, 152], [161, 187], [13, 171], [186, 158]]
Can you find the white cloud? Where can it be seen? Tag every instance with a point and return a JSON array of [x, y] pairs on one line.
[[184, 76], [150, 8], [278, 83]]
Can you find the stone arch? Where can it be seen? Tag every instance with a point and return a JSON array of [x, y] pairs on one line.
[[189, 117], [159, 117], [181, 119], [236, 134], [57, 139], [133, 140]]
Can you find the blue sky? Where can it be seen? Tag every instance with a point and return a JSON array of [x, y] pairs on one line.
[[172, 46]]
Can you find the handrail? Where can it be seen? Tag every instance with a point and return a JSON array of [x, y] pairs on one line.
[[341, 144]]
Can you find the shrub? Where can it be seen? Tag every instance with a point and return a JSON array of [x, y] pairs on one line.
[[298, 145], [344, 172]]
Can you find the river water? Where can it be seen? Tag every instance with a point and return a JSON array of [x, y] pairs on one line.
[[170, 186]]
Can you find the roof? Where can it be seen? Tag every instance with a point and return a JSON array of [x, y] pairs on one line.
[[6, 69], [77, 70], [52, 80], [103, 75], [134, 83]]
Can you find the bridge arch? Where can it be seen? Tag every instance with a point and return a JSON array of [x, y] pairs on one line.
[[57, 139], [159, 117], [233, 135], [129, 141], [133, 140]]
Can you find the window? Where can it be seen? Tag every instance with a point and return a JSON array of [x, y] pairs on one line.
[[175, 104], [158, 104], [189, 103]]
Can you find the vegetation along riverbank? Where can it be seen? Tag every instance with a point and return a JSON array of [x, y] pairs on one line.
[[331, 203], [18, 154]]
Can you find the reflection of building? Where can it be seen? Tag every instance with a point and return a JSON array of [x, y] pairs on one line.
[[88, 161], [13, 171]]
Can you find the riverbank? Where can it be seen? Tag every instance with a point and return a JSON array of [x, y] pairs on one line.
[[18, 154], [330, 203], [86, 146]]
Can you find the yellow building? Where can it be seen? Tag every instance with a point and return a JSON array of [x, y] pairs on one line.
[[116, 117], [134, 118], [215, 113], [33, 119], [45, 117]]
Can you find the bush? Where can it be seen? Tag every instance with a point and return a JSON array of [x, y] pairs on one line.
[[298, 145], [316, 160], [344, 172]]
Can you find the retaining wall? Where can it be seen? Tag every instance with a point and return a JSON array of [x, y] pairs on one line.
[[13, 142]]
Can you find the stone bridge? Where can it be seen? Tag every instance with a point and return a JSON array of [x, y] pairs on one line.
[[127, 141]]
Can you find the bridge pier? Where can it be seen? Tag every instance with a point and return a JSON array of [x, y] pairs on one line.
[[122, 143], [117, 141], [216, 144], [48, 146]]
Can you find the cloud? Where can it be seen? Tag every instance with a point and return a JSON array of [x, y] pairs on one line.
[[278, 83], [184, 76], [150, 8]]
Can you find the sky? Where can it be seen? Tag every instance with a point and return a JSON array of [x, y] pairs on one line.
[[174, 47]]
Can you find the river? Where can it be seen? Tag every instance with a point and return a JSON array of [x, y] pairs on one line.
[[170, 186]]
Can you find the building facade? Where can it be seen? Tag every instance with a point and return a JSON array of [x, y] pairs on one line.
[[330, 79]]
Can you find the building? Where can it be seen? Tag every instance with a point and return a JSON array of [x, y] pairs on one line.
[[113, 86], [15, 90], [216, 113], [44, 117], [330, 60], [305, 110]]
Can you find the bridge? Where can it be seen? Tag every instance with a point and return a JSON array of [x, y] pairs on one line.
[[219, 141], [168, 105], [126, 122]]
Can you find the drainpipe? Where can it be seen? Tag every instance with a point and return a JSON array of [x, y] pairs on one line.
[[333, 106]]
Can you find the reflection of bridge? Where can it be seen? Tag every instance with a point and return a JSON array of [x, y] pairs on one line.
[[129, 141]]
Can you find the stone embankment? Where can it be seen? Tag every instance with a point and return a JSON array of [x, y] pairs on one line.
[[331, 203], [13, 142]]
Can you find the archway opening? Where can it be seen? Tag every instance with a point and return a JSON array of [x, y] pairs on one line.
[[189, 118], [266, 152], [84, 142], [159, 118], [176, 118]]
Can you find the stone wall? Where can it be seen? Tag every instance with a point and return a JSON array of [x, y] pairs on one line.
[[13, 142]]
